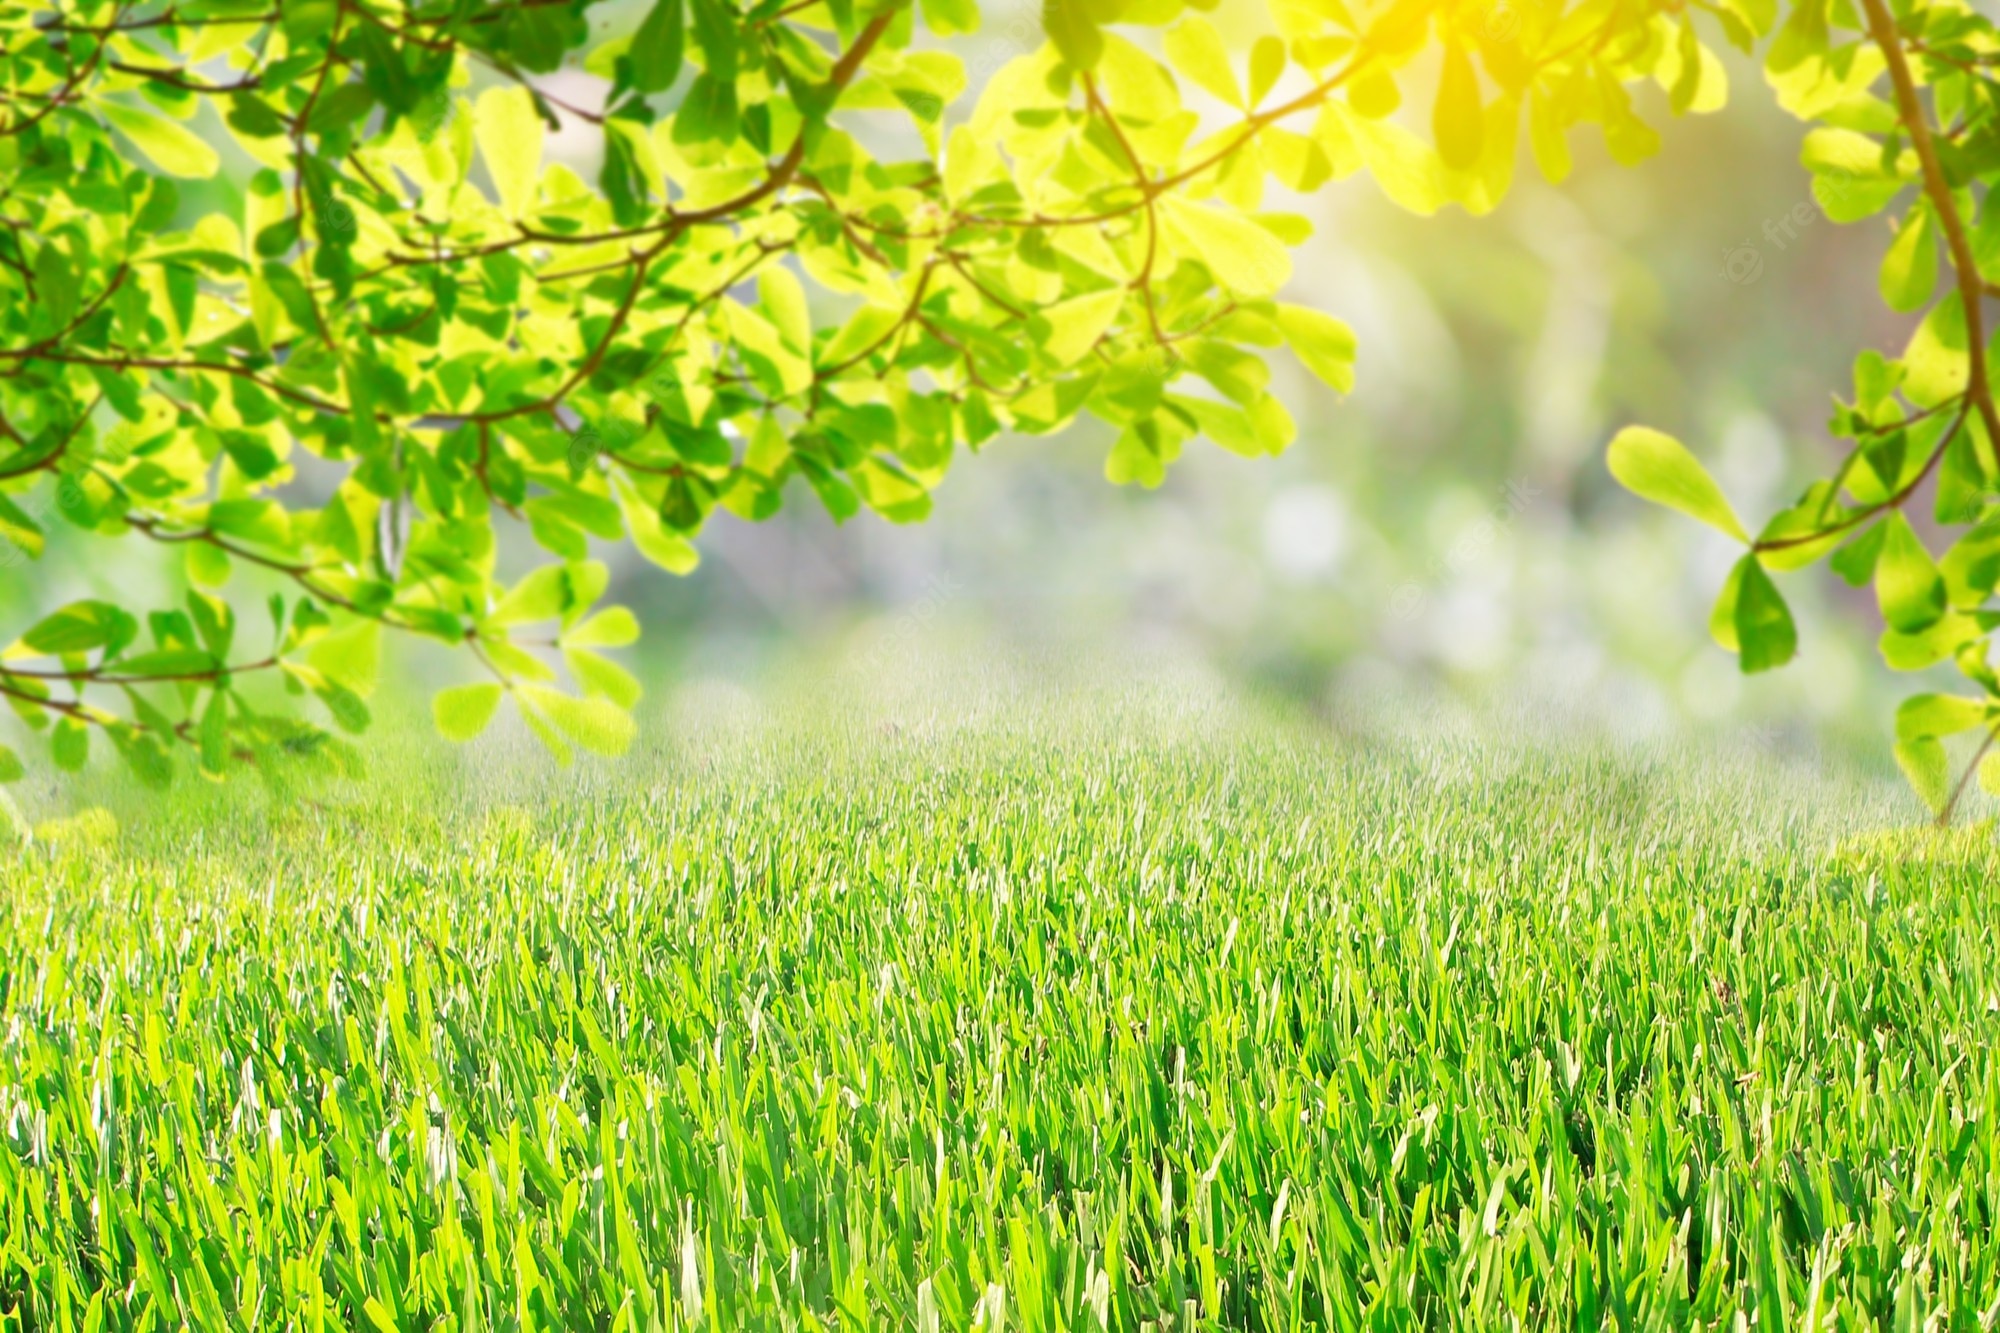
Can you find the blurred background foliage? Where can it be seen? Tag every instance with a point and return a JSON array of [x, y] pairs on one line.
[[1448, 531]]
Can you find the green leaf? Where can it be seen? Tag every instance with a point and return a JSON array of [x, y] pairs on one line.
[[709, 113], [1403, 166], [1458, 120], [547, 733], [208, 565], [1657, 467], [277, 238], [1629, 139], [214, 621], [597, 725], [1908, 585], [1931, 645], [1935, 360], [351, 656], [625, 181], [542, 595], [1324, 344], [669, 550], [614, 627], [514, 663], [1855, 562], [214, 734], [11, 769], [1547, 140], [1272, 424], [1076, 324], [1373, 94], [173, 149], [342, 106], [949, 18], [1989, 773], [601, 677], [1194, 48], [20, 531], [350, 714], [146, 755], [1140, 455], [82, 627], [719, 33], [69, 746], [508, 130], [55, 287], [1939, 715], [1073, 32], [1246, 259], [253, 117], [535, 37], [1924, 763], [464, 711], [1751, 619], [782, 298], [251, 453], [308, 20], [1267, 66], [1909, 268], [656, 48]]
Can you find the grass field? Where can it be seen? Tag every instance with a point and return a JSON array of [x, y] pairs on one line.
[[1137, 1020]]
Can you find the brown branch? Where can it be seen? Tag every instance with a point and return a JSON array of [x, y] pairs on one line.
[[124, 362], [1971, 286], [1141, 283], [47, 462], [305, 575], [174, 78], [1895, 501], [83, 317]]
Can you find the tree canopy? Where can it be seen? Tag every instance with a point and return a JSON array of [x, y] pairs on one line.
[[821, 247]]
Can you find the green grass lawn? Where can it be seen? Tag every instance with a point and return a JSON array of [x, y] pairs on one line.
[[1132, 1019]]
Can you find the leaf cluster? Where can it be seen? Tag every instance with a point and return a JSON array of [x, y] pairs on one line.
[[1906, 116], [819, 256]]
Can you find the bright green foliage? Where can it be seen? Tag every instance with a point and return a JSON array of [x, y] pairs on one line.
[[1910, 121], [1661, 469], [445, 332], [1220, 1034]]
